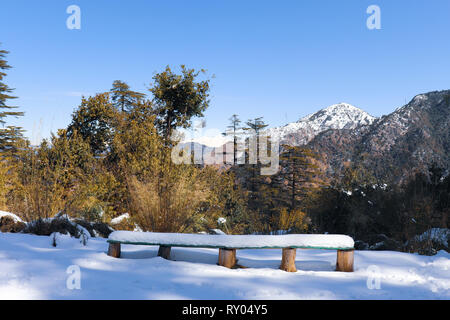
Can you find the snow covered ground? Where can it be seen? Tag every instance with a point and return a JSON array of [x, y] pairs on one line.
[[31, 268]]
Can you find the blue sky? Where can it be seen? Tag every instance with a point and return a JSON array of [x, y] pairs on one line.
[[278, 59]]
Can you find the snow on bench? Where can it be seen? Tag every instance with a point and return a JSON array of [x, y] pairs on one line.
[[227, 245]]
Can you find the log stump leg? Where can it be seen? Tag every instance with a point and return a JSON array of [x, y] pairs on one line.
[[227, 258], [114, 250], [344, 261], [164, 252], [288, 260]]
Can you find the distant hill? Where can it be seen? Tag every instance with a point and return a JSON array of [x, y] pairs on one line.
[[396, 145]]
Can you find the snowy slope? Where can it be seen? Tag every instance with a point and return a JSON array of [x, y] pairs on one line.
[[337, 116], [30, 268]]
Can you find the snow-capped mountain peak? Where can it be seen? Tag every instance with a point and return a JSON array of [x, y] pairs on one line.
[[337, 116]]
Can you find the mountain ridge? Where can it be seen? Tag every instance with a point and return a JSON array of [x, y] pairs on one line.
[[391, 147], [394, 146], [336, 116]]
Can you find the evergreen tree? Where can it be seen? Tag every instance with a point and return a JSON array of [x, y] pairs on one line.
[[256, 187], [124, 99], [136, 146], [298, 174], [178, 98], [257, 124], [95, 121], [234, 129], [285, 194], [9, 134], [9, 137], [255, 127], [355, 175]]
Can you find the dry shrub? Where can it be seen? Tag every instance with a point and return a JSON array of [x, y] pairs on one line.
[[5, 182], [168, 204], [36, 199], [292, 220]]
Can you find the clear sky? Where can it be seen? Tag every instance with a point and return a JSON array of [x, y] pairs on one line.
[[276, 59]]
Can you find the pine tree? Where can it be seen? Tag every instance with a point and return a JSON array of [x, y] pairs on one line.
[[255, 186], [9, 134], [297, 176], [234, 129], [124, 99], [283, 196], [255, 127]]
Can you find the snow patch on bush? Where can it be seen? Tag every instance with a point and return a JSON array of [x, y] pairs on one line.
[[120, 218], [11, 215], [438, 235]]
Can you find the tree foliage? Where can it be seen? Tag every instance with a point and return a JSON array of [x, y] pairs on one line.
[[95, 121], [123, 98], [10, 134], [177, 98]]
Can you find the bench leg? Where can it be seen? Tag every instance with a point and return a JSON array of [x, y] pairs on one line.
[[288, 260], [164, 252], [114, 250], [344, 261], [227, 258]]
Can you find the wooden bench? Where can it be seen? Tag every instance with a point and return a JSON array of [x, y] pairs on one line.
[[228, 244]]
